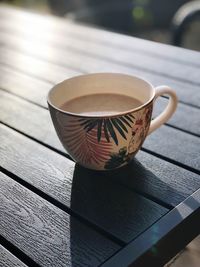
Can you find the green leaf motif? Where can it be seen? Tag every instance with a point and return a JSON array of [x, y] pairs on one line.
[[117, 126], [99, 130], [108, 127], [117, 159], [121, 125], [112, 131], [125, 121], [129, 117], [106, 131]]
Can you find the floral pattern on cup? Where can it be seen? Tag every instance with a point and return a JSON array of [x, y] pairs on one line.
[[139, 131], [102, 142]]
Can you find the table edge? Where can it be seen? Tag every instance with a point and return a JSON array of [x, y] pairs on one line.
[[151, 248]]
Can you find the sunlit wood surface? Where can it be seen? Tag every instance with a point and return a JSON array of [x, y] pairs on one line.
[[52, 211]]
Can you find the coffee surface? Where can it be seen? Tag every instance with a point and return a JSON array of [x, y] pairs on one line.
[[101, 104]]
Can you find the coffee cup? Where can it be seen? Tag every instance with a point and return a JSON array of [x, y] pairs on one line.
[[102, 119]]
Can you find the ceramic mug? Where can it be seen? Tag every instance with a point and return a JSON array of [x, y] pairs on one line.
[[107, 142]]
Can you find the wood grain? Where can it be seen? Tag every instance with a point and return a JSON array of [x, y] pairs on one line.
[[24, 86], [68, 41], [163, 240], [49, 25], [45, 71], [84, 62], [36, 91], [159, 179], [61, 239], [166, 142], [176, 145], [31, 119], [145, 62], [185, 118], [9, 260], [45, 233], [112, 207], [149, 174]]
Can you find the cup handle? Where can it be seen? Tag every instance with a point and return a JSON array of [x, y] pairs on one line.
[[168, 111]]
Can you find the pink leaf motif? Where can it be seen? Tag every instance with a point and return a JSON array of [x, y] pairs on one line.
[[139, 122], [83, 145]]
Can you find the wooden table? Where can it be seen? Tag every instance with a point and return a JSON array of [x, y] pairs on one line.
[[55, 213]]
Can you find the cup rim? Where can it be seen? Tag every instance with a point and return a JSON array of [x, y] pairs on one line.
[[102, 116]]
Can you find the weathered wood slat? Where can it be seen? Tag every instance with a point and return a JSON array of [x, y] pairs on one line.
[[165, 141], [122, 57], [159, 178], [82, 63], [101, 199], [36, 91], [186, 118], [24, 86], [37, 68], [29, 119], [45, 233], [62, 28], [150, 175], [163, 240], [9, 260], [62, 180], [176, 145]]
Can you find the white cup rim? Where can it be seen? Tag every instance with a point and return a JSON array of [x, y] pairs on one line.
[[99, 115]]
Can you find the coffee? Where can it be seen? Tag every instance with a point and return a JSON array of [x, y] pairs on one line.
[[101, 104]]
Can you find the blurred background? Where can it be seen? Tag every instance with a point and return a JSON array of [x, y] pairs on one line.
[[174, 22]]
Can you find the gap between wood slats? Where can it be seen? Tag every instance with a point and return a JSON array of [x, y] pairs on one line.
[[186, 167], [41, 106], [64, 66], [180, 129], [61, 69], [26, 73], [174, 162], [61, 206], [167, 225], [10, 47], [180, 101], [164, 157], [140, 50], [133, 241], [88, 239], [16, 41], [10, 55], [139, 192], [80, 31], [52, 38], [17, 253], [24, 98], [51, 82]]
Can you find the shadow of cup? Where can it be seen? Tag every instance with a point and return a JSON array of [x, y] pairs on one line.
[[100, 197]]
